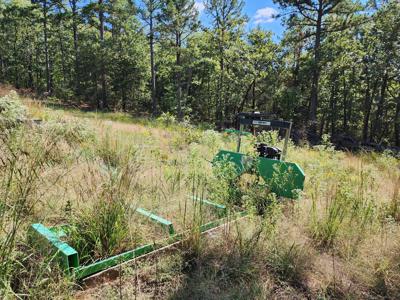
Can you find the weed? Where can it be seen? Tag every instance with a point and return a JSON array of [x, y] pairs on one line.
[[288, 261]]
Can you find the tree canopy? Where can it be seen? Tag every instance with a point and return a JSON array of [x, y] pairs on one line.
[[336, 69]]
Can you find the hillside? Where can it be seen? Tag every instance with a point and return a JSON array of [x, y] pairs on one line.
[[340, 239]]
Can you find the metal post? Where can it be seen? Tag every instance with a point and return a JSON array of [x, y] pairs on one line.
[[239, 137], [287, 136]]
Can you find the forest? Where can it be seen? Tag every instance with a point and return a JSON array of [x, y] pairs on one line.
[[122, 177], [334, 71]]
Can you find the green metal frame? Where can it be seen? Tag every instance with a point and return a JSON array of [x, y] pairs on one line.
[[285, 179], [153, 217], [49, 241], [219, 208]]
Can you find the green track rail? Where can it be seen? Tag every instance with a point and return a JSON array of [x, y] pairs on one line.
[[48, 240], [157, 219], [218, 208]]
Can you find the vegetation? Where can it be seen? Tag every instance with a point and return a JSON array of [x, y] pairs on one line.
[[339, 240], [334, 71]]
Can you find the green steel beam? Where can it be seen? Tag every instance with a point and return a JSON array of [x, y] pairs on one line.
[[42, 236], [163, 222], [85, 271], [60, 231], [68, 257], [221, 209]]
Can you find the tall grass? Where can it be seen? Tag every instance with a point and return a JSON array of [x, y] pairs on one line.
[[26, 154], [101, 228], [341, 238]]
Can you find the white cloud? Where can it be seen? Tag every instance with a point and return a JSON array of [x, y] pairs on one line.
[[199, 5], [265, 15]]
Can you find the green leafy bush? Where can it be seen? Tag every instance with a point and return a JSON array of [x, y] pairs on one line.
[[12, 111], [167, 119], [72, 132]]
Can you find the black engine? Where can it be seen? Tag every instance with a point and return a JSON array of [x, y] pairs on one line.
[[268, 152]]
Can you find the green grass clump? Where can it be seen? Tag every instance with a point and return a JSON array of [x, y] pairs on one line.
[[101, 230]]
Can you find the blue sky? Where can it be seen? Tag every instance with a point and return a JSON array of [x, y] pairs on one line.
[[259, 12]]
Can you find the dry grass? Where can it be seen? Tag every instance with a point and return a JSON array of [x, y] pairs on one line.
[[340, 240]]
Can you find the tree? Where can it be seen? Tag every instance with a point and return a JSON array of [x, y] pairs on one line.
[[75, 22], [149, 15], [318, 18], [227, 19], [179, 21]]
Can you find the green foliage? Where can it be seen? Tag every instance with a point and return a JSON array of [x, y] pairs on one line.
[[224, 187], [269, 137], [100, 231], [71, 132], [12, 111], [167, 119]]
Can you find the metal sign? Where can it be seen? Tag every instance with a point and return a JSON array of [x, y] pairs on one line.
[[264, 123]]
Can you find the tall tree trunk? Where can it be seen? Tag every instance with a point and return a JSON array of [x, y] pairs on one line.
[[46, 48], [322, 125], [397, 122], [316, 72], [377, 127], [367, 106], [76, 49], [103, 103], [220, 101], [333, 111], [152, 66], [2, 68], [123, 95], [178, 75], [345, 104], [63, 56], [245, 99], [254, 95], [30, 72], [219, 104]]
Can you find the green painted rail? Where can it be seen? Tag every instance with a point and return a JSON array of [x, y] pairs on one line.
[[218, 208], [85, 271], [69, 260], [157, 219], [41, 236]]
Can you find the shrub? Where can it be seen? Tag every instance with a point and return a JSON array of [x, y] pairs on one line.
[[270, 137], [167, 119], [210, 138], [72, 132], [12, 111]]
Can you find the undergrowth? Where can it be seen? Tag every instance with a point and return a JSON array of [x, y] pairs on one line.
[[92, 171]]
